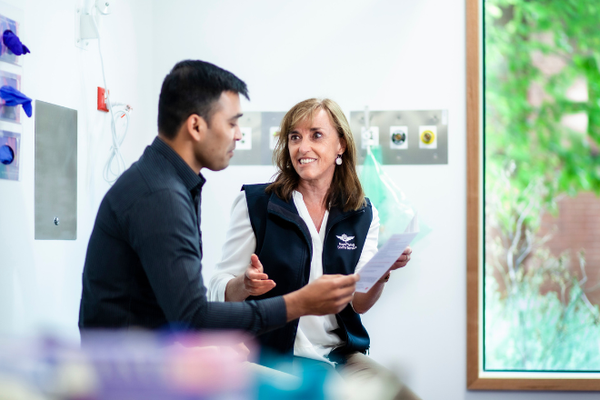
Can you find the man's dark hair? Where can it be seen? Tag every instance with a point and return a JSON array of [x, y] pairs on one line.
[[193, 87]]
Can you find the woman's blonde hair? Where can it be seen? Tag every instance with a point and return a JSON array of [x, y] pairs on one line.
[[345, 190]]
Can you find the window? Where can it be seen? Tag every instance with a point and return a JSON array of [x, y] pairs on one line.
[[533, 121]]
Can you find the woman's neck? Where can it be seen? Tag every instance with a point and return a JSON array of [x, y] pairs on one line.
[[313, 193]]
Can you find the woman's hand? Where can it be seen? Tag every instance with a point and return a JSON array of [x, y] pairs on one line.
[[253, 282], [364, 301], [402, 260], [256, 282]]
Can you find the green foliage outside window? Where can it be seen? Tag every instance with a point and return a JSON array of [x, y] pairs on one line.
[[537, 315]]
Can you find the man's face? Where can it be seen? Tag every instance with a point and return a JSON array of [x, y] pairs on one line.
[[215, 151]]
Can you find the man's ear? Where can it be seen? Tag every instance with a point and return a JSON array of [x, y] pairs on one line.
[[196, 127]]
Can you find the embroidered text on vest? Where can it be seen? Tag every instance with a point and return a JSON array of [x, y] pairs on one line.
[[344, 245]]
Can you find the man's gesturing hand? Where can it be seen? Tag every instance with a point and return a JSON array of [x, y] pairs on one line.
[[256, 282], [327, 295]]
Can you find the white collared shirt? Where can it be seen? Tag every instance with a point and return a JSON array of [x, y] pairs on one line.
[[314, 337]]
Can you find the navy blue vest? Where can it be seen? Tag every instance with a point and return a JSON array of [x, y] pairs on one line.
[[284, 247]]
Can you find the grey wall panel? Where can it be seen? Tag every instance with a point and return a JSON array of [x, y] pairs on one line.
[[55, 172], [411, 121], [255, 147], [248, 150], [271, 122]]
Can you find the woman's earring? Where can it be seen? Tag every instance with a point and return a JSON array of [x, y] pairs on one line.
[[338, 160]]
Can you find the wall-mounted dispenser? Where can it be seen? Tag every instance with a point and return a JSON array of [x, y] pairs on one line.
[[10, 155]]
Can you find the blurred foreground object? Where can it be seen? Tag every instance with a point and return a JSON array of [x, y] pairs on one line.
[[143, 365], [125, 365]]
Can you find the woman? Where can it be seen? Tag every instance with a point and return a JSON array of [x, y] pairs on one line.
[[312, 220]]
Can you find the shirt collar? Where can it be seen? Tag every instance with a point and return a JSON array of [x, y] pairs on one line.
[[188, 176]]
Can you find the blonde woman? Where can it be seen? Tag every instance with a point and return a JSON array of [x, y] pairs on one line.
[[312, 220]]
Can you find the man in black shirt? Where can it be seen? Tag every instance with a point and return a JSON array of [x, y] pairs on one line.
[[143, 262]]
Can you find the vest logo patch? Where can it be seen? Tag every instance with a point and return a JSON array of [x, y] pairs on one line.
[[345, 242]]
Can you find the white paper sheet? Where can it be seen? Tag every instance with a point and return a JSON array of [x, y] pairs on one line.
[[386, 256]]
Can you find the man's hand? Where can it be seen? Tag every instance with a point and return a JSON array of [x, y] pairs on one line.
[[327, 295]]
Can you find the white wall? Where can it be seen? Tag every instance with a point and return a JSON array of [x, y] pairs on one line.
[[40, 281], [387, 55], [384, 54]]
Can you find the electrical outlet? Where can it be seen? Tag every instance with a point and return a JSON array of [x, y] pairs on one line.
[[102, 99]]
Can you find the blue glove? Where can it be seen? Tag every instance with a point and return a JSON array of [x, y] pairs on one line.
[[7, 155], [13, 42], [13, 97]]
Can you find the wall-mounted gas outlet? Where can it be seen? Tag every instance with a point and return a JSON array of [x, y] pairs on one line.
[[428, 137], [245, 143], [370, 137], [398, 137], [416, 137]]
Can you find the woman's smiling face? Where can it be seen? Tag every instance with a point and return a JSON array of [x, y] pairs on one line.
[[314, 145]]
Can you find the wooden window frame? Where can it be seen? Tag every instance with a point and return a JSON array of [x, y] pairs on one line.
[[476, 379]]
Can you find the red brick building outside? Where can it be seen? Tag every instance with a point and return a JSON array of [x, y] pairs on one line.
[[576, 228]]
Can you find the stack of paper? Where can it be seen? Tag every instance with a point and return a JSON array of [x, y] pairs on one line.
[[386, 256]]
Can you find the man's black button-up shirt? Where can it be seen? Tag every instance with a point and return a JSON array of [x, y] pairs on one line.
[[143, 262]]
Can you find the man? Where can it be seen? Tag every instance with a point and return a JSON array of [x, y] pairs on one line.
[[143, 263]]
